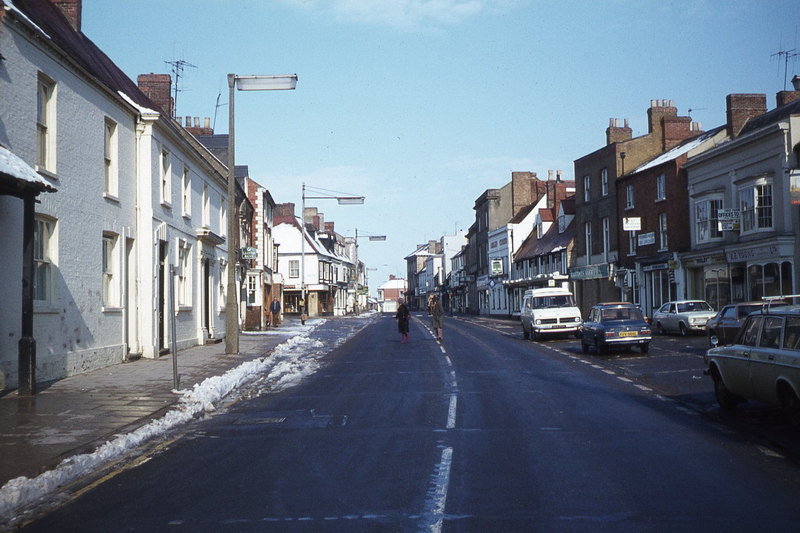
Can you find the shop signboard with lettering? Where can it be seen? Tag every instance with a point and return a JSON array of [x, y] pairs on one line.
[[728, 219], [589, 271]]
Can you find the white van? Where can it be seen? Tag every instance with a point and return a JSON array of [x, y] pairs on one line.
[[549, 311]]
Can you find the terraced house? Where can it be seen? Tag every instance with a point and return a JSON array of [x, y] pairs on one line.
[[139, 209]]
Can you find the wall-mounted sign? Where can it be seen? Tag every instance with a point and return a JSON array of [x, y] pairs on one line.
[[589, 271], [632, 224], [249, 252], [728, 219], [646, 239], [497, 267], [794, 189]]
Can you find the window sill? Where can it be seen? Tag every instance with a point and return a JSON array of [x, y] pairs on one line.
[[167, 205], [187, 217], [629, 208], [112, 309], [184, 308], [659, 200], [46, 173], [110, 197], [45, 308]]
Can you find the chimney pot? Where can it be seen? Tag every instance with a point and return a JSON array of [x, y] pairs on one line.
[[207, 123], [549, 175]]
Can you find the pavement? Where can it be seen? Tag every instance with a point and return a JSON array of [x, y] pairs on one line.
[[75, 415]]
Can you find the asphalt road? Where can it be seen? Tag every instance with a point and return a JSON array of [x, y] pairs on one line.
[[486, 432]]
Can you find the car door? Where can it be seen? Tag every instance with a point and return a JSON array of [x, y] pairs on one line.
[[735, 364], [671, 318], [589, 327], [763, 367], [729, 325]]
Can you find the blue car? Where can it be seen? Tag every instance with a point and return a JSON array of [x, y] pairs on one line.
[[615, 324]]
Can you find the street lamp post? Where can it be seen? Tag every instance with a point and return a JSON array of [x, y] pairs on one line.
[[243, 83], [319, 194]]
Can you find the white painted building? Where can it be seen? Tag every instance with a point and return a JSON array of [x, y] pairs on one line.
[[136, 194], [324, 271]]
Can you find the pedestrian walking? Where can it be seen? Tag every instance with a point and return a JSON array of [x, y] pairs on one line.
[[275, 310], [403, 317], [437, 317]]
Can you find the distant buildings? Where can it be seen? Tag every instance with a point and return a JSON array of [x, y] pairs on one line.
[[676, 213]]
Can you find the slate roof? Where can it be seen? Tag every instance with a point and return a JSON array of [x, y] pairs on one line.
[[770, 117], [550, 241], [49, 20]]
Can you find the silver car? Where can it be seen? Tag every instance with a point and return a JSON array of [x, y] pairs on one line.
[[762, 364], [682, 316]]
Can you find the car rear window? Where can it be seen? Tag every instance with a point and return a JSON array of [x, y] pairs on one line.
[[623, 313]]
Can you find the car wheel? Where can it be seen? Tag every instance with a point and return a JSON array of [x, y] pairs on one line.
[[600, 348], [525, 334], [660, 328], [790, 404], [584, 347], [645, 347], [535, 335], [682, 329], [725, 398]]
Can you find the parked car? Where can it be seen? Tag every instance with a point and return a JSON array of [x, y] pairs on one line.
[[615, 324], [549, 311], [763, 362], [726, 323], [682, 316]]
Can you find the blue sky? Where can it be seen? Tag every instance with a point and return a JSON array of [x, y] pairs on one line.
[[421, 105]]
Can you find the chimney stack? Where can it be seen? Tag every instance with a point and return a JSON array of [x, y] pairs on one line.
[[158, 88], [71, 9], [786, 97], [741, 107]]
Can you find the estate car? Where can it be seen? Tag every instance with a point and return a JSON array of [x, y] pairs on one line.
[[763, 362]]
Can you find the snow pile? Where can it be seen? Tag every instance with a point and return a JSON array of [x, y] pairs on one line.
[[288, 364]]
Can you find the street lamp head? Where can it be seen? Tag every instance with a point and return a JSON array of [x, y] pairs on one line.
[[281, 82], [350, 200]]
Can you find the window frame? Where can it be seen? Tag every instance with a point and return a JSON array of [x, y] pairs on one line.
[[165, 181], [186, 192], [45, 123], [44, 265], [587, 188], [629, 198], [110, 159], [661, 188], [663, 235], [710, 224], [604, 182], [294, 268], [110, 270], [752, 219]]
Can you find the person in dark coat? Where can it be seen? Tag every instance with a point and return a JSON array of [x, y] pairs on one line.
[[403, 318], [437, 317]]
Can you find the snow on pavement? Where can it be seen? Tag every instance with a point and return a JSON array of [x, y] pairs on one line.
[[290, 362]]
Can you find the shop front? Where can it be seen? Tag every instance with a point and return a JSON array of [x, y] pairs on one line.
[[742, 273]]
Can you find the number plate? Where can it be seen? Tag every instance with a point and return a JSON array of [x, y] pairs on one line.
[[628, 333]]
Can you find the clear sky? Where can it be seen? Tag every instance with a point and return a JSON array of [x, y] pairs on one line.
[[421, 105]]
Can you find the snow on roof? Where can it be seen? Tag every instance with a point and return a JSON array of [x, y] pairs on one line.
[[15, 168], [678, 151]]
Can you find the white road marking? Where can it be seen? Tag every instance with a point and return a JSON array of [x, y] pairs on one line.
[[437, 496], [451, 412]]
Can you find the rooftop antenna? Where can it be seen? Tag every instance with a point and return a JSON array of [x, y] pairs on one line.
[[177, 73], [216, 108], [786, 54]]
